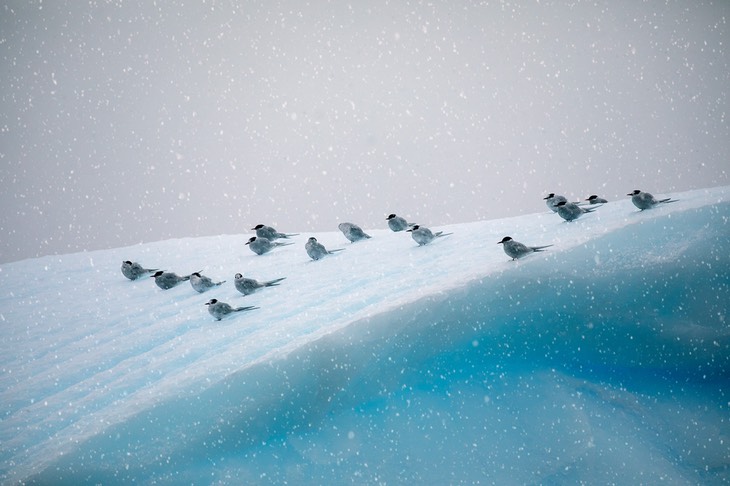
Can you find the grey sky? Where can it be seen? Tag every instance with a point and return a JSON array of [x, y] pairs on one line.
[[129, 122]]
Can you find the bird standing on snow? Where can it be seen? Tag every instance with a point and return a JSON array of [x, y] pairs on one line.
[[644, 200], [516, 250], [260, 245], [316, 250], [596, 200], [201, 283], [396, 223], [248, 286], [220, 309], [353, 232], [424, 236], [263, 231], [571, 211], [168, 280], [133, 270], [551, 201]]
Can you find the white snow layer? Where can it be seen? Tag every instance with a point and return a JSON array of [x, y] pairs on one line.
[[605, 359]]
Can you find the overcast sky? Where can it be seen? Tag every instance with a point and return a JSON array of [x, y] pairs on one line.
[[128, 122]]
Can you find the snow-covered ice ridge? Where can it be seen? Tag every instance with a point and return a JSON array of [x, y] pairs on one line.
[[602, 360]]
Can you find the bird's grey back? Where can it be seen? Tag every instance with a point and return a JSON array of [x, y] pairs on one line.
[[246, 285], [397, 224]]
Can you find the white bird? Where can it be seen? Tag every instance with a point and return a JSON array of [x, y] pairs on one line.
[[516, 250], [316, 250], [219, 309], [353, 232], [168, 280], [396, 223], [644, 200], [551, 201], [248, 286], [570, 211], [263, 245], [596, 200], [263, 231], [133, 270], [202, 283], [424, 236]]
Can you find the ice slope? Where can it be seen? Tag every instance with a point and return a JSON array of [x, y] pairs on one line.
[[603, 360]]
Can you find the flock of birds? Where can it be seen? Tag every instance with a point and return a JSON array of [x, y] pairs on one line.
[[266, 240]]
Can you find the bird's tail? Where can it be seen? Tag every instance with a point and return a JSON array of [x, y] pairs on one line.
[[540, 248], [246, 308], [271, 283], [668, 200], [589, 210], [335, 250], [221, 282], [283, 244], [441, 233], [289, 235]]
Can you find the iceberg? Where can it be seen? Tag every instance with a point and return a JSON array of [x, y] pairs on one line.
[[604, 359]]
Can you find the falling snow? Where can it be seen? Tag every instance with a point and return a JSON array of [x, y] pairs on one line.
[[319, 113]]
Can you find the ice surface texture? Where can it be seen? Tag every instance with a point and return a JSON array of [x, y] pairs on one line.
[[604, 359]]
